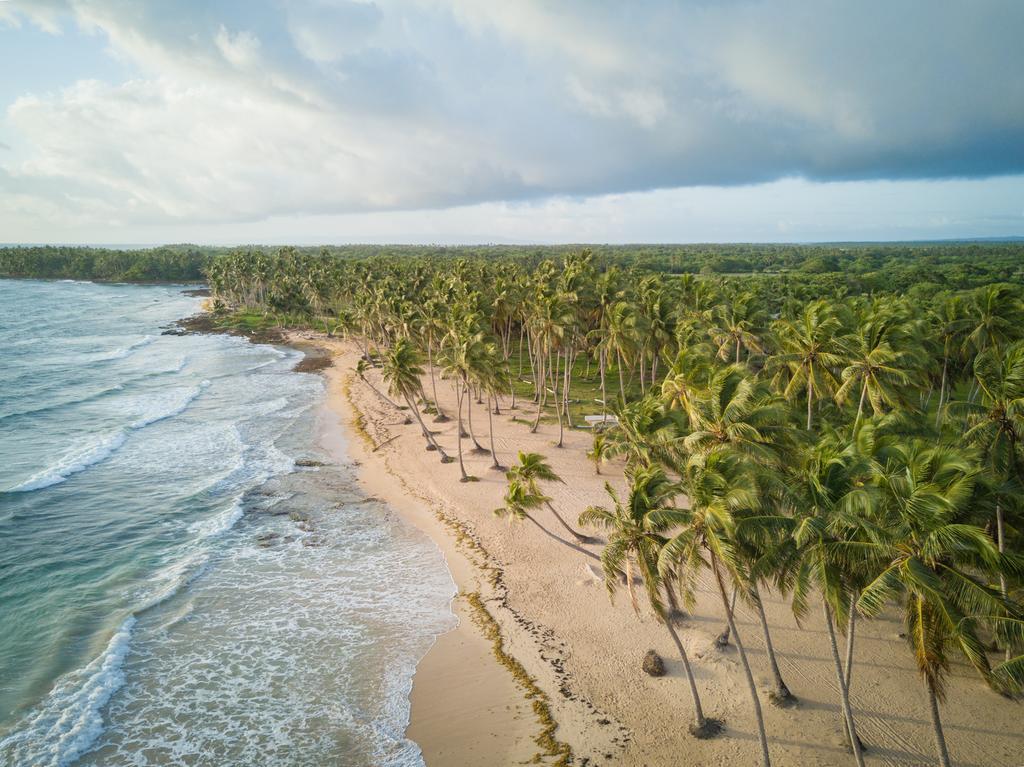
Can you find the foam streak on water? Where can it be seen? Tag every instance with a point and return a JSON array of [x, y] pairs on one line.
[[171, 590]]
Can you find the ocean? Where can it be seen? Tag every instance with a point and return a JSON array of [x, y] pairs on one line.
[[174, 588]]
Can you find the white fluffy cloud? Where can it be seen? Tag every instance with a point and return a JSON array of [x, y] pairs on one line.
[[242, 111]]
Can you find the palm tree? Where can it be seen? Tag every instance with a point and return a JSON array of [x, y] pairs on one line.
[[644, 433], [936, 562], [361, 367], [403, 374], [810, 353], [873, 367], [994, 316], [520, 501], [719, 485], [619, 340], [686, 379], [996, 427], [598, 451], [736, 327], [532, 469], [948, 326], [489, 369], [825, 483], [636, 537]]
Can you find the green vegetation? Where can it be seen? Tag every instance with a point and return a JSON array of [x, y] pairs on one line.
[[171, 263]]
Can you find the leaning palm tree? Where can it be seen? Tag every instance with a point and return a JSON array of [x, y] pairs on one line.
[[403, 374], [636, 536], [938, 566], [822, 485], [533, 468], [719, 485], [361, 367], [520, 501]]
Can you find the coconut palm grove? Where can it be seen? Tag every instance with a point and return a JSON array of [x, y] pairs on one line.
[[848, 437]]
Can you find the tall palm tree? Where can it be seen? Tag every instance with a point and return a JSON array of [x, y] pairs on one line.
[[636, 536], [719, 485], [737, 327], [995, 316], [996, 427], [403, 373], [810, 353], [937, 564], [824, 484], [874, 367], [361, 367]]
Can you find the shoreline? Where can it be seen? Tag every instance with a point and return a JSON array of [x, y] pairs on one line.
[[576, 686], [464, 705]]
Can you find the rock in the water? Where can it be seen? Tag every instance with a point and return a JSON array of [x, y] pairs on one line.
[[309, 463], [653, 664]]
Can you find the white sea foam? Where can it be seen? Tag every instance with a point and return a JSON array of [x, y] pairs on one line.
[[221, 522], [122, 352], [72, 463], [71, 717], [169, 404]]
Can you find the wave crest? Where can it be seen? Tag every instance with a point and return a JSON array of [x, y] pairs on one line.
[[70, 718]]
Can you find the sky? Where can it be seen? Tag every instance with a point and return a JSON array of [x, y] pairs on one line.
[[461, 121]]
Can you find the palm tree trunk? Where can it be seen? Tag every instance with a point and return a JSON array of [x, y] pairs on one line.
[[578, 536], [462, 465], [942, 391], [562, 540], [844, 692], [766, 760], [560, 399], [851, 626], [722, 640], [810, 395], [701, 727], [604, 394], [440, 417], [622, 385], [860, 405], [540, 403], [940, 738], [426, 432], [737, 351], [1001, 543], [521, 326], [490, 427], [381, 394], [477, 447], [780, 696], [567, 388]]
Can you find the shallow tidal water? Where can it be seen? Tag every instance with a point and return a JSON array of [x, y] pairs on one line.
[[173, 588]]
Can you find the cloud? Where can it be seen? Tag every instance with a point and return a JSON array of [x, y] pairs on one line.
[[239, 112]]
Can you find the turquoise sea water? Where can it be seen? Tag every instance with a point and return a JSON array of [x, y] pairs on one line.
[[173, 589]]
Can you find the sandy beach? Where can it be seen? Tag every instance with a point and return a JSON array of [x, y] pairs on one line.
[[566, 649]]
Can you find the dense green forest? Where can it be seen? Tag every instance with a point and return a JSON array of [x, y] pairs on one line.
[[842, 425], [853, 267]]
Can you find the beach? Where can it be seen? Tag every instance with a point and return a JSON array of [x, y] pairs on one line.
[[567, 676]]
